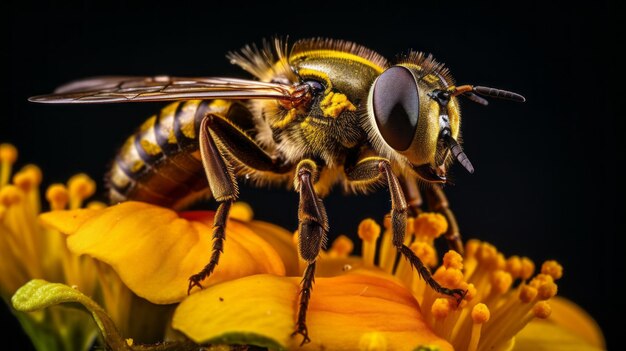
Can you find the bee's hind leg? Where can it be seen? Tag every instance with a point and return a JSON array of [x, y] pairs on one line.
[[218, 136], [224, 188]]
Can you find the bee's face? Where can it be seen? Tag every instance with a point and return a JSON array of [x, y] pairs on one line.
[[411, 118]]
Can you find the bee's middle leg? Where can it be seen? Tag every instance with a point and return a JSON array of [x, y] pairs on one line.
[[312, 231], [375, 169]]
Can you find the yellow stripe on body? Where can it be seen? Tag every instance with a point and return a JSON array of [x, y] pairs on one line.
[[336, 54]]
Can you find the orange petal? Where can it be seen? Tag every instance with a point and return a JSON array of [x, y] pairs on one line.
[[281, 240], [155, 251], [570, 316], [355, 311], [543, 335]]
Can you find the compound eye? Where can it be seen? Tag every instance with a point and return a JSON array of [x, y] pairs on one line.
[[396, 106]]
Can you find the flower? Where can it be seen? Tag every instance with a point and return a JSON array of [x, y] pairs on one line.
[[372, 302], [30, 251]]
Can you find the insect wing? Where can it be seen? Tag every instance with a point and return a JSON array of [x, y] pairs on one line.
[[115, 89]]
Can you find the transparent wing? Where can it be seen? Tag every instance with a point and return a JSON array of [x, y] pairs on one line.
[[114, 89]]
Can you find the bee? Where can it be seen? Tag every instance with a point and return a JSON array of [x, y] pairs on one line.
[[318, 114]]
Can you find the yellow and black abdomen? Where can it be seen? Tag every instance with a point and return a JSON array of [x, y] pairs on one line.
[[160, 163]]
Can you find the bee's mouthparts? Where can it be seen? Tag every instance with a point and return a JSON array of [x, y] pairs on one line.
[[430, 174]]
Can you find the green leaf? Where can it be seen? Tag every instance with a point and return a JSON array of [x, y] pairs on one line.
[[38, 294]]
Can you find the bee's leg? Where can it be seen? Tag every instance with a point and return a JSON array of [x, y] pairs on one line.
[[438, 202], [375, 169], [224, 188], [221, 177], [312, 230], [414, 198]]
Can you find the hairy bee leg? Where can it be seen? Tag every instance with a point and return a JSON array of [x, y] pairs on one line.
[[221, 177], [374, 169], [312, 230], [414, 198], [224, 188], [438, 202], [305, 295]]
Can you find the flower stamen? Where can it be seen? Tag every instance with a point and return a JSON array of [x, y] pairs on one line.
[[8, 156], [80, 187], [368, 231], [480, 315]]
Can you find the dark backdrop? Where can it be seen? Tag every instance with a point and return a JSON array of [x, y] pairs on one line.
[[545, 185]]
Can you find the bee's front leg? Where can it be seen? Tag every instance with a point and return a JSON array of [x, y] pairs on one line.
[[377, 169], [312, 231]]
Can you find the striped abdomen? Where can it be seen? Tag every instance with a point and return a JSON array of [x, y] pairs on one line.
[[160, 164]]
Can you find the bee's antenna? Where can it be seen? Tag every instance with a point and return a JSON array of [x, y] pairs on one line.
[[472, 92]]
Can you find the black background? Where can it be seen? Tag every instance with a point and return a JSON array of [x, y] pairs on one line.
[[545, 184]]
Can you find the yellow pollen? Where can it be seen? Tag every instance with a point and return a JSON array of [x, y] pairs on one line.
[[480, 313], [333, 104], [80, 187], [289, 117], [449, 277], [430, 225], [453, 259], [241, 211], [514, 266], [487, 256], [541, 279], [8, 153], [553, 269], [547, 290], [542, 310], [471, 291], [500, 282], [23, 181], [10, 195], [8, 156], [341, 247], [57, 196], [528, 268], [425, 252], [368, 230], [35, 173], [527, 293], [440, 308]]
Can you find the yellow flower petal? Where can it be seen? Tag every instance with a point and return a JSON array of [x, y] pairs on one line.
[[570, 323], [154, 250], [282, 241], [354, 311], [546, 336]]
